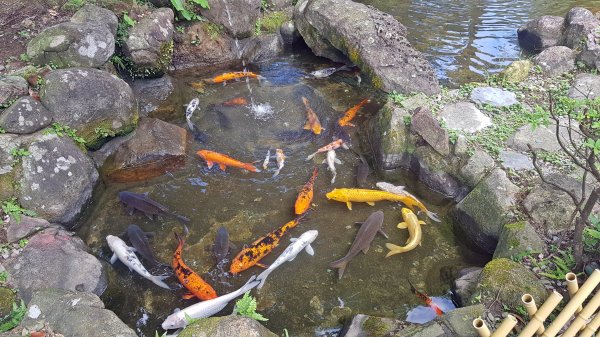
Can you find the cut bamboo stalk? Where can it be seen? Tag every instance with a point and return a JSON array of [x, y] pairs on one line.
[[506, 327], [568, 311], [591, 327], [537, 321], [531, 309], [572, 286], [481, 327], [583, 316]]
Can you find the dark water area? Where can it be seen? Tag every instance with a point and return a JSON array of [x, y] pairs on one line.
[[466, 39]]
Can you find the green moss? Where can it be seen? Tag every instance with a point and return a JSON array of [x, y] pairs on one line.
[[204, 325], [516, 225], [6, 185], [213, 29], [7, 297], [375, 327], [271, 22], [161, 66], [94, 140]]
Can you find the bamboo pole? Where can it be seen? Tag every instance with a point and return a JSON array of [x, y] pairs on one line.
[[568, 311], [531, 309], [506, 327], [537, 321], [591, 327], [481, 327], [572, 286], [583, 316]]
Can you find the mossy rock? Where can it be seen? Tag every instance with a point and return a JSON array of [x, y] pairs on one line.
[[518, 238], [376, 326], [271, 21], [7, 298], [517, 71], [508, 281], [232, 325]]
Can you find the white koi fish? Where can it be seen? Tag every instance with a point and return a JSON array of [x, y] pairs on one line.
[[331, 160], [280, 156], [191, 107], [267, 158]]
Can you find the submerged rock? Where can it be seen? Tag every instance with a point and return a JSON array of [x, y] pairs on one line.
[[541, 33], [348, 31], [74, 313], [261, 48], [11, 88], [204, 44], [237, 16], [155, 148], [556, 60], [464, 285], [518, 238], [95, 103], [55, 258], [26, 115], [464, 116], [495, 97], [226, 326], [151, 94]]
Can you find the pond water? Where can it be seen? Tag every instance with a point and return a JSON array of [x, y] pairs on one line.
[[300, 295], [465, 39]]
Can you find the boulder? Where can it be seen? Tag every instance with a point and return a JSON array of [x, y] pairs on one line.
[[7, 298], [93, 14], [518, 238], [540, 138], [156, 147], [507, 281], [590, 51], [95, 103], [541, 33], [25, 227], [149, 46], [237, 16], [55, 258], [579, 23], [151, 94], [203, 45], [516, 161], [11, 88], [226, 326], [74, 313], [425, 125], [477, 167], [289, 33], [465, 283], [517, 71], [585, 86], [71, 44], [390, 137], [57, 178], [556, 60], [481, 215], [495, 97], [261, 48], [99, 156], [26, 115], [369, 38], [551, 207], [433, 171], [464, 116], [364, 325], [460, 320]]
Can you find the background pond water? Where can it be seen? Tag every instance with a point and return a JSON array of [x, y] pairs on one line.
[[465, 39]]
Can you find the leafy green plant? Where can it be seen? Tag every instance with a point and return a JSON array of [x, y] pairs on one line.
[[23, 243], [104, 132], [257, 30], [128, 20], [19, 152], [466, 89], [271, 22], [157, 335], [591, 234], [559, 265], [14, 210], [14, 318], [246, 306], [118, 62], [23, 33], [61, 130], [396, 97], [180, 29], [3, 276], [2, 130], [407, 120], [185, 9], [24, 57]]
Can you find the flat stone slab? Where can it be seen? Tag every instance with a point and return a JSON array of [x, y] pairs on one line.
[[540, 138], [585, 86], [550, 207], [464, 116], [518, 238], [493, 96], [424, 124], [516, 161], [22, 229], [478, 165]]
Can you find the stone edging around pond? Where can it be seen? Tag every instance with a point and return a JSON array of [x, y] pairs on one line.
[[489, 189]]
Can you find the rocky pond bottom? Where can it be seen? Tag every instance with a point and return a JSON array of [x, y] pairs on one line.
[[304, 296]]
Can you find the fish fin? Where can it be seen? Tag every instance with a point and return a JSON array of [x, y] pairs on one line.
[[420, 243], [307, 126], [433, 216], [349, 205], [394, 249], [188, 296], [337, 161], [262, 265], [333, 179], [209, 164], [310, 156], [309, 250], [383, 233], [421, 222], [350, 125], [366, 249], [340, 265], [113, 258], [222, 167], [275, 174], [402, 225], [131, 249], [158, 280], [345, 146], [370, 203]]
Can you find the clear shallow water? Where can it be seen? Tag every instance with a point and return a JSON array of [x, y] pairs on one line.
[[465, 39], [299, 295]]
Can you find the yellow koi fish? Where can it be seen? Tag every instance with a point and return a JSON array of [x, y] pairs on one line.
[[415, 234], [349, 195]]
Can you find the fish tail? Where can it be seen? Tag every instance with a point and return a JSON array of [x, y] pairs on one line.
[[394, 249], [432, 216], [181, 217], [310, 156], [276, 173], [190, 124], [340, 265], [263, 277], [179, 239], [437, 309], [158, 280]]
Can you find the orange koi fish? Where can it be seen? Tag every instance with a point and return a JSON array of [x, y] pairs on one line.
[[423, 296], [193, 282], [223, 161], [235, 101], [312, 121], [306, 195], [350, 113], [331, 146], [236, 75], [250, 256]]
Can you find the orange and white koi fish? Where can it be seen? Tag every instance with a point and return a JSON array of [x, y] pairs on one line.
[[236, 75], [306, 195], [280, 157], [428, 301], [331, 146], [235, 101], [251, 255], [189, 279], [312, 121], [223, 161], [350, 113]]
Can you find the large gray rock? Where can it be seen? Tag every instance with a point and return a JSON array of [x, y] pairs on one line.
[[71, 44], [477, 167], [56, 167], [241, 18], [261, 48], [590, 51], [96, 15], [203, 46], [74, 314], [433, 171], [425, 125], [289, 33], [541, 33], [579, 23], [25, 227], [482, 214], [156, 147], [493, 96], [540, 138], [226, 326], [465, 283], [551, 207], [94, 102], [585, 86], [556, 60], [149, 46], [390, 137], [11, 88], [55, 258], [516, 161], [518, 238], [464, 116], [26, 115], [369, 38], [151, 94]]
